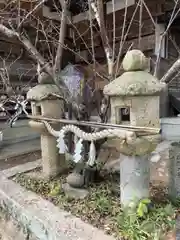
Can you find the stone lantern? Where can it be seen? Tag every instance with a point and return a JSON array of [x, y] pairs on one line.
[[44, 103], [134, 100]]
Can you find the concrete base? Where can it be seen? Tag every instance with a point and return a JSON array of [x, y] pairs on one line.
[[134, 178], [38, 217], [170, 128], [174, 170]]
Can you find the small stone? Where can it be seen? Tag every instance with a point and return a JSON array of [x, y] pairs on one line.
[[75, 180], [134, 60], [76, 193]]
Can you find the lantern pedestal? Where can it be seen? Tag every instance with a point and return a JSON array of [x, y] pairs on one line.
[[134, 178]]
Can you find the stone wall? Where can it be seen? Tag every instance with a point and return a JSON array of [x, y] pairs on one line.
[[10, 230]]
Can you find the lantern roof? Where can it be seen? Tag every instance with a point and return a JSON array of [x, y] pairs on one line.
[[135, 81]]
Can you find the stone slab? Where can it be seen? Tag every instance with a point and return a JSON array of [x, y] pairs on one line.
[[170, 128], [76, 193], [13, 150], [40, 217], [178, 228], [10, 172]]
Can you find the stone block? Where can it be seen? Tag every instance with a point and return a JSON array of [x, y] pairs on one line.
[[174, 170], [76, 193]]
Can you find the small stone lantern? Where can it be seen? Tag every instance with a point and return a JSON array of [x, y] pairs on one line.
[[134, 99], [44, 103]]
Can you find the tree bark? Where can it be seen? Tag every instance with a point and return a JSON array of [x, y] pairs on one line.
[[62, 33], [100, 18], [171, 72]]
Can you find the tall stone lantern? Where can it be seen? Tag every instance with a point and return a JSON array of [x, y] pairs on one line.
[[134, 100], [44, 103]]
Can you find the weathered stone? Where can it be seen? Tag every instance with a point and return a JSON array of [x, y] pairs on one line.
[[48, 105], [9, 230], [137, 83], [134, 178], [139, 147], [134, 100], [134, 83], [42, 92], [53, 163], [134, 60], [76, 193], [177, 228], [159, 159], [27, 167], [75, 180], [174, 170]]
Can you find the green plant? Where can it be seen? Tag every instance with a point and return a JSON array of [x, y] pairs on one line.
[[142, 209], [103, 204], [143, 224], [55, 190]]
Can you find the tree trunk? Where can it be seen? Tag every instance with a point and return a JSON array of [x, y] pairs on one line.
[[171, 72]]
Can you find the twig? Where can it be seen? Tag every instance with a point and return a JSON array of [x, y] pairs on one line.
[[92, 37], [123, 38], [150, 15], [140, 22], [114, 30], [38, 58], [30, 13]]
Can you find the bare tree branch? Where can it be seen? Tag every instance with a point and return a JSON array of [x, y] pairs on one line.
[[140, 23], [173, 16], [92, 37], [99, 15], [29, 47], [62, 32], [171, 72], [114, 30], [30, 13]]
